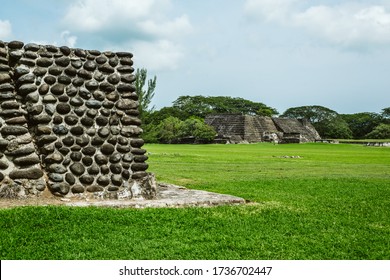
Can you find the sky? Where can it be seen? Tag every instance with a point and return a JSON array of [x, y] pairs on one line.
[[283, 53]]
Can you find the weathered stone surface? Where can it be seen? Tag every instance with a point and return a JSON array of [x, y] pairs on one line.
[[139, 166], [78, 189], [94, 189], [123, 149], [126, 174], [58, 89], [71, 119], [12, 104], [87, 160], [54, 158], [13, 130], [97, 141], [3, 165], [137, 143], [39, 71], [103, 180], [32, 97], [35, 110], [4, 78], [77, 168], [81, 112], [106, 68], [76, 156], [63, 79], [101, 159], [85, 94], [116, 168], [57, 168], [31, 47], [90, 151], [62, 61], [104, 132], [27, 160], [137, 151], [116, 180], [16, 120], [82, 73], [26, 173], [61, 188], [140, 158], [87, 179], [27, 88], [63, 108], [93, 104], [94, 169], [44, 62], [70, 178], [60, 129], [126, 104], [77, 130], [15, 44], [55, 177], [104, 169], [107, 149], [131, 131]]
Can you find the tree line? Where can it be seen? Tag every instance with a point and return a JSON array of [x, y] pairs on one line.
[[185, 118]]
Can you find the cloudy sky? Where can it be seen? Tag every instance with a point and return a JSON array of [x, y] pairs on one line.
[[284, 53]]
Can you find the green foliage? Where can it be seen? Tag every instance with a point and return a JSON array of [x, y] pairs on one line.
[[386, 115], [315, 114], [200, 106], [382, 131], [157, 116], [198, 129], [169, 129], [331, 203], [362, 123], [386, 112], [145, 96], [172, 130], [327, 122]]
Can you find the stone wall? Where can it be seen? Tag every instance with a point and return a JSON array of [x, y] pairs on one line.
[[69, 123]]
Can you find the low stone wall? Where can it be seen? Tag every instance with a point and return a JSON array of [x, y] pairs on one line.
[[69, 123]]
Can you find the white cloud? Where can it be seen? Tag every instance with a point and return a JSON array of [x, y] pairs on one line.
[[351, 24], [147, 28], [68, 39], [180, 25], [158, 55], [146, 17], [5, 29], [270, 10]]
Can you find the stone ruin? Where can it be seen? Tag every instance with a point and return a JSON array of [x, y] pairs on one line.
[[237, 128], [69, 124]]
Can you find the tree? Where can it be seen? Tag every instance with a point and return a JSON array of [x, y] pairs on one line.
[[386, 112], [382, 131], [362, 123], [169, 130], [145, 96], [327, 122], [386, 115], [200, 106], [198, 129]]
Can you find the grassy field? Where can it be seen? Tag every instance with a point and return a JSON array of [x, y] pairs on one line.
[[310, 201]]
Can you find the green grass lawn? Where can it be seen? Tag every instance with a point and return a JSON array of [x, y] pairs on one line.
[[331, 202]]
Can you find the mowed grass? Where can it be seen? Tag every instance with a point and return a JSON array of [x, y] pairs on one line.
[[308, 201]]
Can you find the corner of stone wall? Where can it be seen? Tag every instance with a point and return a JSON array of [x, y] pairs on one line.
[[69, 121]]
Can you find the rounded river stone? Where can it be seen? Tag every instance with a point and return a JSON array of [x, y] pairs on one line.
[[77, 168]]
